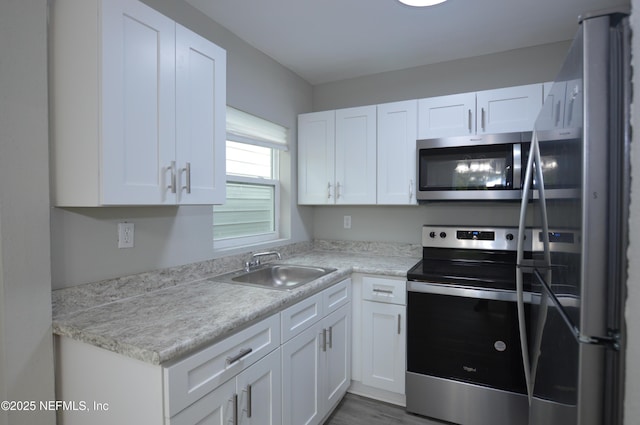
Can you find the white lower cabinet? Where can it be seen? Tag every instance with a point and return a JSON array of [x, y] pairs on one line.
[[316, 363], [316, 369], [383, 340], [301, 378], [379, 343], [251, 398]]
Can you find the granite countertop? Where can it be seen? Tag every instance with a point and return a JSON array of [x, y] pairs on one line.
[[160, 326]]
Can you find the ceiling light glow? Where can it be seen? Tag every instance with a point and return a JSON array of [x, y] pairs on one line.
[[421, 3]]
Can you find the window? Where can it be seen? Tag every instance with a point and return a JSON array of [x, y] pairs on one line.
[[250, 214]]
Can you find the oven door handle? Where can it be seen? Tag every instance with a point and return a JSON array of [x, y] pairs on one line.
[[467, 292]]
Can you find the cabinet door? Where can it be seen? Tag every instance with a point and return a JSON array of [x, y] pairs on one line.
[[551, 115], [216, 408], [200, 119], [509, 109], [355, 173], [301, 378], [444, 116], [397, 134], [383, 345], [337, 351], [316, 158], [259, 390], [138, 104]]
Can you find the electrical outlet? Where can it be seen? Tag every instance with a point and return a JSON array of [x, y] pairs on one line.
[[125, 235], [347, 222]]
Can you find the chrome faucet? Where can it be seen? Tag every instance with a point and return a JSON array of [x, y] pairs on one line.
[[255, 259]]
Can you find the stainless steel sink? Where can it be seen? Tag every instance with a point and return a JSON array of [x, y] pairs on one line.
[[276, 276]]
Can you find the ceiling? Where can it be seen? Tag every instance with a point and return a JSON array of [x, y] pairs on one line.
[[331, 40]]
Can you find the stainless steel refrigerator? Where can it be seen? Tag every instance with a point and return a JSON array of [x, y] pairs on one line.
[[575, 199]]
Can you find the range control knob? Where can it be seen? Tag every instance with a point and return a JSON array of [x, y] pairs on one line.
[[443, 235], [432, 234], [509, 236]]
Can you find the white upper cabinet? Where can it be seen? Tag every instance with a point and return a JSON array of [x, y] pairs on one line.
[[397, 134], [443, 116], [509, 109], [355, 181], [337, 157], [552, 112], [136, 103], [316, 157], [491, 111], [200, 119]]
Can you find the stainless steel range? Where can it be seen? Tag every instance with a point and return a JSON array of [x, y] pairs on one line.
[[464, 361]]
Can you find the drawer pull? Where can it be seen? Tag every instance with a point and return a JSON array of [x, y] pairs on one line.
[[238, 356], [383, 291]]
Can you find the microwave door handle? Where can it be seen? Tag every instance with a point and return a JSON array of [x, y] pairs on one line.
[[517, 166]]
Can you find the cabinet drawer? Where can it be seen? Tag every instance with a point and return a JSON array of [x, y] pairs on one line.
[[300, 316], [384, 290], [336, 296], [198, 374]]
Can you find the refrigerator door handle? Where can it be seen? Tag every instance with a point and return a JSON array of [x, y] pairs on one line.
[[611, 341], [530, 367], [519, 271]]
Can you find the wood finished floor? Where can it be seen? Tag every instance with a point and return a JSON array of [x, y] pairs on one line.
[[356, 410]]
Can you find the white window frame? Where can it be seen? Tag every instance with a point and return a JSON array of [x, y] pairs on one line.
[[236, 242], [243, 127]]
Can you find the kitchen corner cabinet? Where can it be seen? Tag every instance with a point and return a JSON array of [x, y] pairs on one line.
[[291, 365], [337, 157], [316, 362], [397, 133], [503, 110], [137, 107]]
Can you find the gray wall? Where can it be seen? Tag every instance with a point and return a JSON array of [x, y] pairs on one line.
[[401, 224], [84, 239], [26, 355], [513, 68]]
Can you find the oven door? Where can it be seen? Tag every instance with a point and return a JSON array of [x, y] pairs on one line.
[[462, 168], [465, 334]]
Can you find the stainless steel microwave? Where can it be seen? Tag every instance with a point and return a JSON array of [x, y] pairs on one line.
[[482, 167]]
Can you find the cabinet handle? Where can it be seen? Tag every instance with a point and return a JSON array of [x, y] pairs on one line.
[[249, 401], [172, 186], [329, 190], [399, 324], [383, 291], [410, 189], [483, 114], [470, 118], [558, 113], [187, 170], [241, 354], [235, 409], [337, 190], [330, 337], [324, 340], [569, 118]]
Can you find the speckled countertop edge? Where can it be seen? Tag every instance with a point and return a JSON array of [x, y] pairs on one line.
[[162, 325]]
